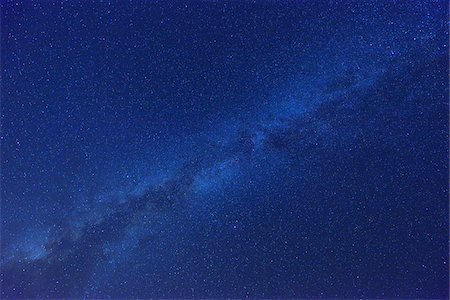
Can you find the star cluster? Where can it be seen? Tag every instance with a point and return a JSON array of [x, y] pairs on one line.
[[223, 149]]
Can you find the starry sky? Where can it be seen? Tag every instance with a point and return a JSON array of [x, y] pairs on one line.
[[224, 149]]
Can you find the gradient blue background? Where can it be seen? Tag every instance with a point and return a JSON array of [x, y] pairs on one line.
[[292, 149]]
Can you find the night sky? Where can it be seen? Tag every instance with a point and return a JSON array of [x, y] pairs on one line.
[[294, 149]]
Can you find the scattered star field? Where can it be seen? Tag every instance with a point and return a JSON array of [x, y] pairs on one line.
[[224, 149]]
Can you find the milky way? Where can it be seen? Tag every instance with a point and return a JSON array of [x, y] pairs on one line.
[[221, 149]]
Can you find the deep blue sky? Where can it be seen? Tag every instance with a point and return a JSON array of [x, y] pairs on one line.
[[220, 149]]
